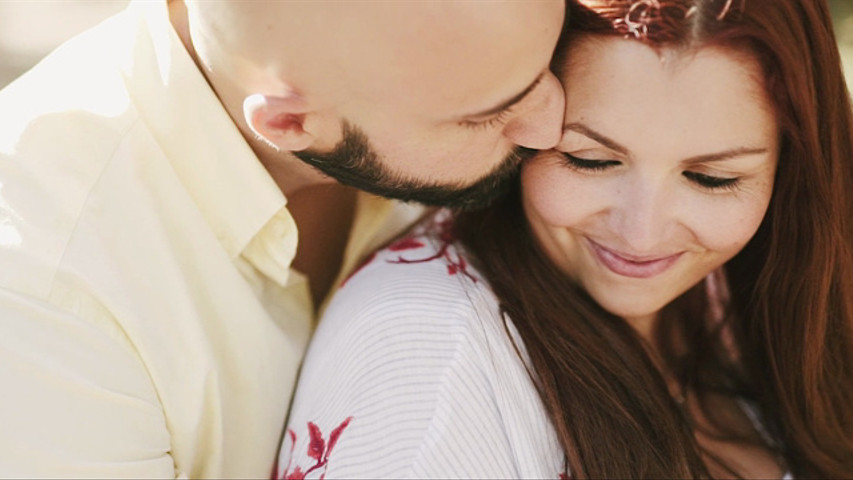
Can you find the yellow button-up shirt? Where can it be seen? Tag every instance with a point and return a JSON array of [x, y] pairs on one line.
[[150, 324]]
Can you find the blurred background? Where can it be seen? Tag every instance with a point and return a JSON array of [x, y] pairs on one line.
[[30, 29]]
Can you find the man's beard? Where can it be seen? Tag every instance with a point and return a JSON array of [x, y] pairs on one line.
[[354, 162]]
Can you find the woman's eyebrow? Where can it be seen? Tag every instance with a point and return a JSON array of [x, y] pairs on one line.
[[725, 155], [598, 137], [708, 157]]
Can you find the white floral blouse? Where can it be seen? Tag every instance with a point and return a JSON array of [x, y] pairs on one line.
[[411, 374]]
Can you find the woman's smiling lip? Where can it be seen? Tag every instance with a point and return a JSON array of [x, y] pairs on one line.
[[632, 266]]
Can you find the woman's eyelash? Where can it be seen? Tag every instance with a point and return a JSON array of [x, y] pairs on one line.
[[591, 165], [708, 182], [711, 182], [498, 119]]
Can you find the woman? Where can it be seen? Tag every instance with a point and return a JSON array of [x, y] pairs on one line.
[[668, 293]]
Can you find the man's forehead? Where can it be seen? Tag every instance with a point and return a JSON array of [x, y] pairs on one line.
[[350, 23], [442, 15], [478, 70], [472, 53]]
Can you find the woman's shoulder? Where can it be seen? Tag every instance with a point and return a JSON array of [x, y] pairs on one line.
[[425, 273], [417, 299], [412, 373], [428, 248], [411, 363], [412, 305], [416, 303]]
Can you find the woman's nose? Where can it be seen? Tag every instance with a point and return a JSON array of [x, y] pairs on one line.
[[644, 217]]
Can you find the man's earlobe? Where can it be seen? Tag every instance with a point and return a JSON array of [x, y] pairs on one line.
[[278, 120]]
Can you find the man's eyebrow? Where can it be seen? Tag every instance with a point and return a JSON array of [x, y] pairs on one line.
[[710, 157], [505, 105]]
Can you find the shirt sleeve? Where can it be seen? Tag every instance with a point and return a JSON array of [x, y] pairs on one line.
[[76, 401], [395, 384]]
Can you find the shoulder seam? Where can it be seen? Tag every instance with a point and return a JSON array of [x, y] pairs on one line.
[[109, 160]]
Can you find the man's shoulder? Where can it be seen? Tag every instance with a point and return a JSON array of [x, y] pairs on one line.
[[52, 153], [76, 90], [84, 74], [62, 123]]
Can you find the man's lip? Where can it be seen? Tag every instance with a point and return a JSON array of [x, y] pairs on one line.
[[632, 265]]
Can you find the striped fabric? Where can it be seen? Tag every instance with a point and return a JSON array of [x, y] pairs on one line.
[[411, 374]]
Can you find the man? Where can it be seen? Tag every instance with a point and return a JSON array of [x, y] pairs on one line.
[[168, 222]]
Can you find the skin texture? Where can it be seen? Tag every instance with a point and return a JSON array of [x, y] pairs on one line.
[[422, 81], [639, 229], [416, 83]]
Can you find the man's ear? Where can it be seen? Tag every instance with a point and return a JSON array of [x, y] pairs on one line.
[[279, 120]]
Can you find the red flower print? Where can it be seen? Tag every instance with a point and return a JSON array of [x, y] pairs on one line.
[[443, 228], [317, 444], [454, 265], [407, 243], [336, 433], [297, 474], [318, 449]]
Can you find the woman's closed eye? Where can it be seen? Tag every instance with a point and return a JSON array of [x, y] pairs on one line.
[[710, 182], [587, 164], [702, 180]]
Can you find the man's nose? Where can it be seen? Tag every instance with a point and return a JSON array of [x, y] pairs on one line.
[[539, 121]]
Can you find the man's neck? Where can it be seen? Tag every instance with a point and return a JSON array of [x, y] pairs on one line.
[[322, 208], [290, 174], [324, 215]]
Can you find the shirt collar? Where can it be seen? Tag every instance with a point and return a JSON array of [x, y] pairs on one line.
[[220, 171]]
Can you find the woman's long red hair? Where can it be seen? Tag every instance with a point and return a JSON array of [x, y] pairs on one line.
[[791, 306]]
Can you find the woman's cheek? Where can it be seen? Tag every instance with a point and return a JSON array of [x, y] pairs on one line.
[[726, 224], [558, 195]]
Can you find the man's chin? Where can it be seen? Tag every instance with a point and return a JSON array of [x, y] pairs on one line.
[[354, 162], [473, 197]]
